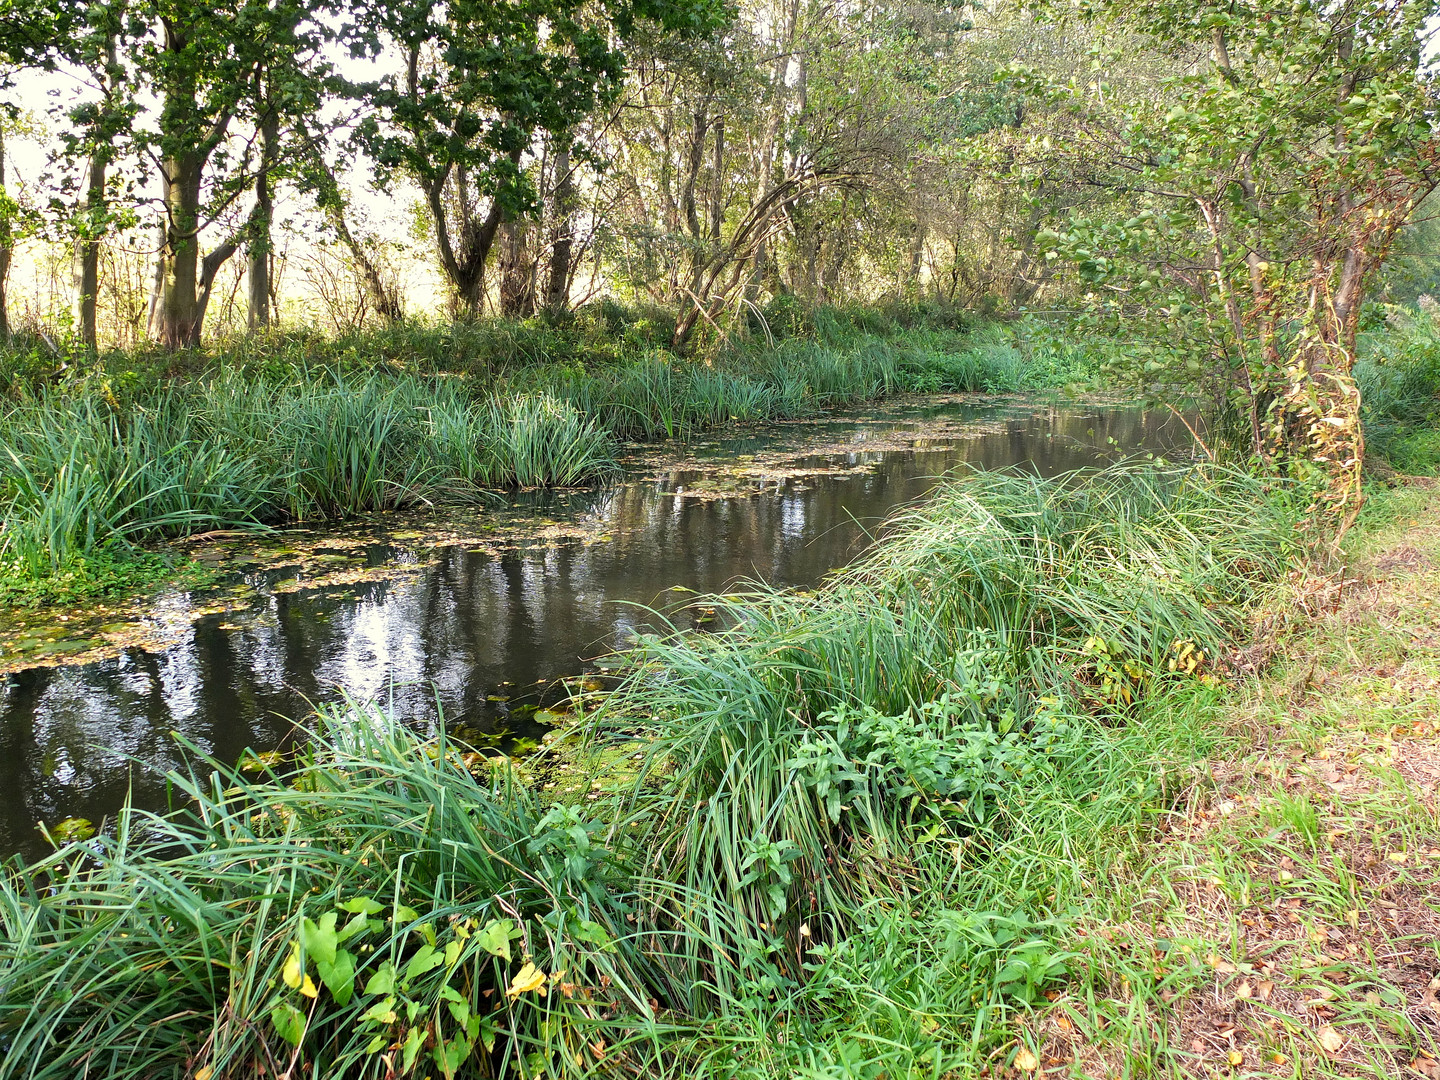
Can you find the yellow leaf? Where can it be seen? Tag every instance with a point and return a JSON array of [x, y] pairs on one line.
[[529, 977], [292, 970], [308, 988], [1331, 1039], [1236, 1058], [1397, 856], [1025, 1061], [205, 1073]]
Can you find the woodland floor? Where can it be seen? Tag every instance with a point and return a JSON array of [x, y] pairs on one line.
[[1287, 922]]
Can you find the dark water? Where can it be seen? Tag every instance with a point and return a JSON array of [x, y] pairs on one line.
[[474, 626]]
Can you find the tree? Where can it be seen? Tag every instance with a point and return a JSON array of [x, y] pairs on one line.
[[96, 127], [216, 69], [480, 83], [1263, 182]]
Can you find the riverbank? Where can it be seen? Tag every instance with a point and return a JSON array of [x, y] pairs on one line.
[[846, 839], [101, 458]]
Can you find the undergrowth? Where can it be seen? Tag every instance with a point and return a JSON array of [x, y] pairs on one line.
[[850, 844], [1399, 379]]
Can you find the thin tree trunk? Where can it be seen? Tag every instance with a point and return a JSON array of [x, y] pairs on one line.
[[557, 291], [87, 252], [87, 246], [4, 248], [385, 299], [261, 246]]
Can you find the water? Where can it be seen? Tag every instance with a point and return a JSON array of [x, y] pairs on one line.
[[479, 636]]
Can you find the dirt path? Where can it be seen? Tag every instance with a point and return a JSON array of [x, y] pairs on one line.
[[1287, 924]]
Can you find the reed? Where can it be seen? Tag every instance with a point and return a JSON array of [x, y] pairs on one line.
[[77, 475], [787, 756]]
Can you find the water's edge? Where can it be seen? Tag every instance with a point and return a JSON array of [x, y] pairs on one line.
[[472, 617]]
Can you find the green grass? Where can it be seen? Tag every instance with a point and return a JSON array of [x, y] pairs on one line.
[[848, 841], [1399, 378], [125, 449], [76, 475]]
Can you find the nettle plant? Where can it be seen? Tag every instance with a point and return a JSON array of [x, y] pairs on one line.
[[1263, 176]]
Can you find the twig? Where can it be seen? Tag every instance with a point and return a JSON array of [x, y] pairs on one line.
[[1193, 433]]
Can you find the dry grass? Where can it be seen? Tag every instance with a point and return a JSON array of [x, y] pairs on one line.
[[1287, 921]]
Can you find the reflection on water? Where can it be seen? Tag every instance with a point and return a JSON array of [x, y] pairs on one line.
[[474, 626]]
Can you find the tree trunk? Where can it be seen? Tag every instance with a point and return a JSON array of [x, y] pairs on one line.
[[463, 259], [260, 245], [517, 270], [87, 251], [177, 316], [87, 245], [4, 246], [557, 291]]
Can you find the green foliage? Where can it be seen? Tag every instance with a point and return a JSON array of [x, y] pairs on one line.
[[227, 452], [1399, 378], [838, 856], [101, 573], [382, 913], [923, 692], [136, 447], [1234, 235]]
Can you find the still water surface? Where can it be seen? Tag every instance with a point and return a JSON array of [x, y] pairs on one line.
[[472, 626]]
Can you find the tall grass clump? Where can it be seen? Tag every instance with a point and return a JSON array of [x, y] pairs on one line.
[[76, 474], [377, 912], [792, 759]]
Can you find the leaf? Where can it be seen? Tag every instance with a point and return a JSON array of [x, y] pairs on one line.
[[382, 1012], [451, 1055], [1331, 1040], [319, 939], [527, 978], [339, 977], [494, 937], [292, 972], [289, 1022], [592, 934], [383, 981], [427, 958], [361, 905], [414, 1040], [357, 923], [309, 989], [1235, 1058], [1025, 1061]]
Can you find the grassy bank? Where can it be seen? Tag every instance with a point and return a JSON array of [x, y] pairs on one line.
[[99, 455], [852, 839], [1282, 918]]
